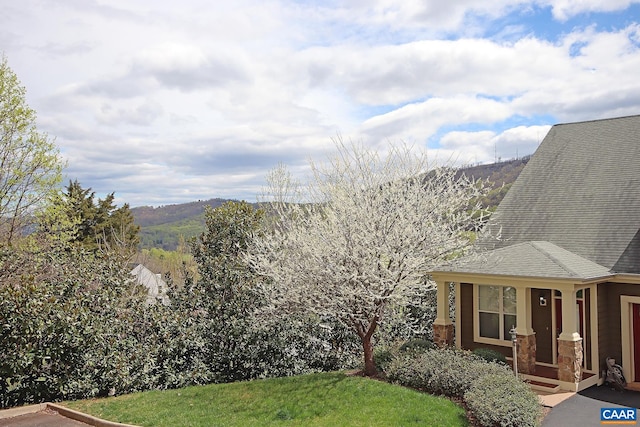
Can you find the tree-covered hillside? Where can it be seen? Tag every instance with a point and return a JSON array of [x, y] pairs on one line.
[[147, 216], [164, 226], [501, 175]]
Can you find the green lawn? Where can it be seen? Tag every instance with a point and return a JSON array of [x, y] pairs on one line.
[[328, 399]]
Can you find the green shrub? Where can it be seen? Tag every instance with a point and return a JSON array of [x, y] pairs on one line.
[[501, 399], [441, 371], [72, 327], [454, 371], [408, 369], [383, 358], [490, 355], [73, 324], [418, 344]]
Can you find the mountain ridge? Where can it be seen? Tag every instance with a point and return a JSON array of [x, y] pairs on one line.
[[165, 227]]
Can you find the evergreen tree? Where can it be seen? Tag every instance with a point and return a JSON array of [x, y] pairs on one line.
[[225, 291], [227, 301], [101, 225]]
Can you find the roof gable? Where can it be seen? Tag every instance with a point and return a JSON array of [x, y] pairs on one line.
[[156, 287], [581, 192], [530, 259]]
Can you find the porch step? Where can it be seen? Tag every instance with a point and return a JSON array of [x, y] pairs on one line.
[[633, 386], [543, 386]]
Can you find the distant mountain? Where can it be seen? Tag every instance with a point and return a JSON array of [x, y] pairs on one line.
[[146, 216], [500, 175], [163, 227]]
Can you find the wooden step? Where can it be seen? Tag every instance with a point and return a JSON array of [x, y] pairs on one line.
[[633, 386], [543, 386]]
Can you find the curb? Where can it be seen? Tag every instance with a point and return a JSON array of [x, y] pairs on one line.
[[61, 410]]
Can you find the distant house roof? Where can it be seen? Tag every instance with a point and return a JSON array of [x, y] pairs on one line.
[[156, 287], [580, 193]]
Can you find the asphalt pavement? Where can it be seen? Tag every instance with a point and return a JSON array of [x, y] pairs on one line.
[[583, 408]]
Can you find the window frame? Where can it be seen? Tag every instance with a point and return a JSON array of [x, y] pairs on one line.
[[506, 342]]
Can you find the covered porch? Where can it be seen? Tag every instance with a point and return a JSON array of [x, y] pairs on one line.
[[546, 295], [546, 379]]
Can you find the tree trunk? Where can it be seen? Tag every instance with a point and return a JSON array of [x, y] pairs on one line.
[[365, 332], [369, 364]]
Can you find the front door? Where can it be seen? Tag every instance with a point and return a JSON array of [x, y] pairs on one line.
[[541, 322], [636, 341]]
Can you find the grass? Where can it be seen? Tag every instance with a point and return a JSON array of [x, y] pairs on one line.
[[325, 399]]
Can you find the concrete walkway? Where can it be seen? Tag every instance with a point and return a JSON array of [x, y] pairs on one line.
[[583, 409]]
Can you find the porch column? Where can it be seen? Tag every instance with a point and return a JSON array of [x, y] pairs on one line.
[[525, 335], [570, 342], [442, 326]]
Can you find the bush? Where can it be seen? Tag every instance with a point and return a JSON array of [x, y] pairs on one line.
[[383, 358], [454, 371], [490, 355], [501, 399], [441, 371], [418, 344], [405, 369], [492, 393], [72, 327]]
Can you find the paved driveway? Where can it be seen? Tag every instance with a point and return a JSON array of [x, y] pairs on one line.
[[583, 409]]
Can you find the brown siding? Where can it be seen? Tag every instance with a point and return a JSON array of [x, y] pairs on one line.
[[609, 342]]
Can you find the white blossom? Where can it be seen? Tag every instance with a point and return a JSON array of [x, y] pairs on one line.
[[359, 235]]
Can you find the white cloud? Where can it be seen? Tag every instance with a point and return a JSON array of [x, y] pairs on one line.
[[488, 146], [142, 114], [165, 102], [565, 9], [419, 121], [430, 16]]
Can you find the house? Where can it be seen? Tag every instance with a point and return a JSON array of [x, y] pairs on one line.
[[566, 269], [156, 287]]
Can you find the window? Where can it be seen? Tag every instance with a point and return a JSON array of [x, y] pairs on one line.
[[496, 311]]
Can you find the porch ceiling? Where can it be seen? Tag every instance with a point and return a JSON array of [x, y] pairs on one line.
[[530, 259]]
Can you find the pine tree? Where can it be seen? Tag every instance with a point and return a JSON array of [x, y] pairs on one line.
[[101, 225]]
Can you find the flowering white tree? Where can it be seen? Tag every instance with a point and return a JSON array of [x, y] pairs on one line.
[[361, 234]]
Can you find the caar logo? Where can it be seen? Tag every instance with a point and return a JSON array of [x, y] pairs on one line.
[[618, 416]]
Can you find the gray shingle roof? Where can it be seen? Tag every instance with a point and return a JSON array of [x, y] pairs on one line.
[[581, 192], [530, 259], [156, 287]]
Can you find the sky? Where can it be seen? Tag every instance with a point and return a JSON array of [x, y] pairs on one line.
[[166, 102]]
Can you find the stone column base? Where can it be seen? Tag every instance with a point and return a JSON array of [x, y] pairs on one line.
[[443, 335], [526, 353], [570, 361]]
